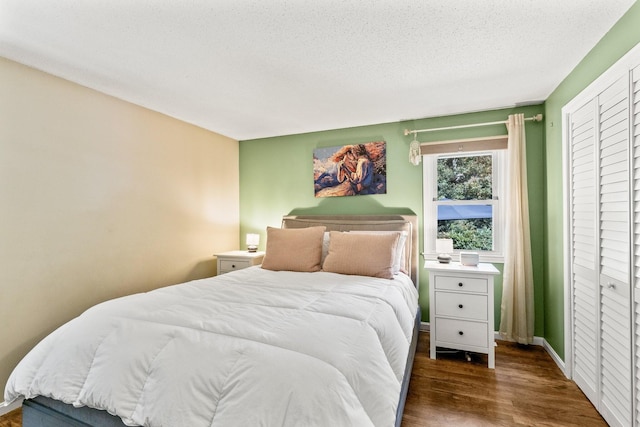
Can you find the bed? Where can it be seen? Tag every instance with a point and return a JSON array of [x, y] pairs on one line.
[[261, 346]]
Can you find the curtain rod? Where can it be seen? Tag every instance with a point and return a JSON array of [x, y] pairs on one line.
[[536, 118]]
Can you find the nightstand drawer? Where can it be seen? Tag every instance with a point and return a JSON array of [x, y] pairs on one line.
[[467, 284], [461, 332], [467, 306], [231, 265], [237, 260]]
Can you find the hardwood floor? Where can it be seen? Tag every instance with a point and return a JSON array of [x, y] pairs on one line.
[[12, 419], [525, 389]]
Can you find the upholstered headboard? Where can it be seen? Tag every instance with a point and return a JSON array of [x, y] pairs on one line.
[[408, 223]]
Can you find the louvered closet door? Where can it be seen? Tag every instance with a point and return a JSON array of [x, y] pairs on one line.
[[586, 365], [615, 290], [635, 134]]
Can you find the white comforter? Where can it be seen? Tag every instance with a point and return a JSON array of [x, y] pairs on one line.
[[252, 347]]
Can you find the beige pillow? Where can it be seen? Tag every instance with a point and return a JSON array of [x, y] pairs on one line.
[[399, 258], [362, 254], [294, 249]]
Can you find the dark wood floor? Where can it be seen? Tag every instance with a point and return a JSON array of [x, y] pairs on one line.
[[525, 389]]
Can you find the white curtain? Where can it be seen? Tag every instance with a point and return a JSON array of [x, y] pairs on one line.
[[517, 320]]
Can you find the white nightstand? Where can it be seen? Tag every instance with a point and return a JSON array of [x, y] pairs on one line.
[[237, 260], [461, 308]]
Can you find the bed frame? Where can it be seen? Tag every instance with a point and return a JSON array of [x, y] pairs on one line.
[[46, 412]]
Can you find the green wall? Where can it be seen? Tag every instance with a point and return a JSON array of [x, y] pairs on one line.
[[276, 178], [622, 37]]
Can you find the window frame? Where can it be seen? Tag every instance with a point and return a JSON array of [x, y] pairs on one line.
[[430, 204]]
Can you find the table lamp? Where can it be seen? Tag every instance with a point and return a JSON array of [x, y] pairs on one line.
[[444, 248], [253, 240]]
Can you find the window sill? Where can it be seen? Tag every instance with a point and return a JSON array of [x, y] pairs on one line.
[[484, 257]]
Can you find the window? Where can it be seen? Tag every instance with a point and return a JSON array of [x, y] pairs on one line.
[[462, 201]]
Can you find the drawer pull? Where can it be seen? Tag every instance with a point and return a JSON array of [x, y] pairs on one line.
[[233, 266], [460, 284], [459, 305], [460, 333]]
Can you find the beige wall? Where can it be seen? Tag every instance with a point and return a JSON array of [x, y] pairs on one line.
[[100, 198]]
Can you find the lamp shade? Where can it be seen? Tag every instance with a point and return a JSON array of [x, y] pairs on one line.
[[444, 246], [253, 240]]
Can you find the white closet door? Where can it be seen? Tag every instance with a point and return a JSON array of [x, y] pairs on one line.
[[615, 309], [586, 355], [635, 143], [616, 111]]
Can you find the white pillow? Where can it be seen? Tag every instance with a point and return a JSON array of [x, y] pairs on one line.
[[325, 245], [399, 261]]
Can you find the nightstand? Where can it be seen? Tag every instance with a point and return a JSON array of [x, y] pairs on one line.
[[237, 260], [461, 308]]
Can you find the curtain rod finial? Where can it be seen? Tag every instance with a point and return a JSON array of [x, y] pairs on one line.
[[406, 132], [538, 117]]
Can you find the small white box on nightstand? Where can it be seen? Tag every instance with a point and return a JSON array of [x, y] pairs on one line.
[[469, 258]]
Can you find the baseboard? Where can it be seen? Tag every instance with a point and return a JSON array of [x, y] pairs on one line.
[[536, 340], [550, 351], [556, 358], [424, 326], [6, 408]]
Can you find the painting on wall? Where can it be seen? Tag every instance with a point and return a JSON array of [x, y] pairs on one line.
[[350, 170]]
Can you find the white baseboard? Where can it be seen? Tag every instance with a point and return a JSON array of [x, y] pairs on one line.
[[424, 326], [536, 340], [6, 408], [555, 358]]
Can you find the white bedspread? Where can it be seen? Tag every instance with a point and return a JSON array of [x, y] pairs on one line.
[[252, 347]]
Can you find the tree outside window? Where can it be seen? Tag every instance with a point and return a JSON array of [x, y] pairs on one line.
[[465, 200]]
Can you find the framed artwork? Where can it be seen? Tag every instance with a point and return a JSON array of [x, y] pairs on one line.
[[350, 170]]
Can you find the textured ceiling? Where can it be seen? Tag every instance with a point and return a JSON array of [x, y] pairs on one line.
[[251, 69]]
